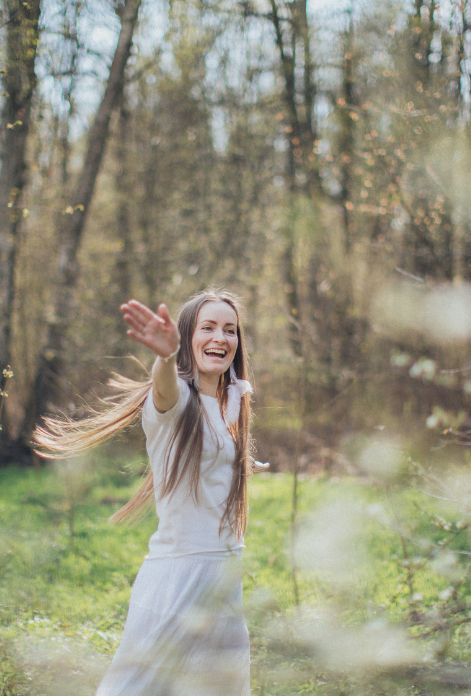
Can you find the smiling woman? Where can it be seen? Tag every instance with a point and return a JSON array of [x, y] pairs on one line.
[[185, 633], [214, 343]]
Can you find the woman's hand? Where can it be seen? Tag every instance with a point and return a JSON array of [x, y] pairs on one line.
[[157, 331]]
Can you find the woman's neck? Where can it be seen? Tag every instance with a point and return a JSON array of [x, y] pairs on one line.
[[208, 384]]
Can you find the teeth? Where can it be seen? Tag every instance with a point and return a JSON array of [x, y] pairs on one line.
[[219, 353]]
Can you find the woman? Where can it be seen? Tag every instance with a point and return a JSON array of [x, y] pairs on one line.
[[185, 633]]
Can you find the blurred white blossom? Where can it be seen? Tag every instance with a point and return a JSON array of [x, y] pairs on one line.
[[454, 485], [333, 645], [424, 368], [443, 313], [447, 313], [448, 161], [52, 663], [330, 541], [381, 457]]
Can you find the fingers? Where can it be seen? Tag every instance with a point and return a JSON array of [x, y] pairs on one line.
[[139, 317], [162, 311], [140, 338], [133, 322], [139, 311], [145, 325], [133, 334]]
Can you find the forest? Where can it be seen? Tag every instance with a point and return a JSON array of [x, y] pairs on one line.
[[313, 157]]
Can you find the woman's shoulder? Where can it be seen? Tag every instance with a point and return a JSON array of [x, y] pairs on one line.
[[152, 418]]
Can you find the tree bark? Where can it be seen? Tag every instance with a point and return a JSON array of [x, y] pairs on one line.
[[122, 282], [46, 387], [347, 135], [19, 84]]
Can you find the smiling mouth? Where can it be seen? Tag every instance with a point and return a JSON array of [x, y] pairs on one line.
[[216, 353]]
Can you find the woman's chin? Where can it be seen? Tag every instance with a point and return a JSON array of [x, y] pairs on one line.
[[215, 370]]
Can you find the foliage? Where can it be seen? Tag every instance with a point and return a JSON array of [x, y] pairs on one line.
[[383, 585]]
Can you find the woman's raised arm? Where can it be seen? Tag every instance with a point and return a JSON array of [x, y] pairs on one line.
[[158, 332]]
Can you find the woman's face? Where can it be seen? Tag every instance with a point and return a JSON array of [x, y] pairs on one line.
[[215, 340]]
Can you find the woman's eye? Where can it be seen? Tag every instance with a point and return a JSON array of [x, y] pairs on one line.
[[210, 328]]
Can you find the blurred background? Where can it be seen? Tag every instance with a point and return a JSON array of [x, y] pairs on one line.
[[315, 158]]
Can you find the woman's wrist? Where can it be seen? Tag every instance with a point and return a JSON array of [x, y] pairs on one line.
[[167, 358]]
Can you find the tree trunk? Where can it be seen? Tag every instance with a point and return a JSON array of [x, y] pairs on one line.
[[46, 387], [347, 135], [19, 84], [122, 271], [309, 124], [293, 157]]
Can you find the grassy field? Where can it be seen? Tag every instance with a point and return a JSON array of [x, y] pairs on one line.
[[66, 576]]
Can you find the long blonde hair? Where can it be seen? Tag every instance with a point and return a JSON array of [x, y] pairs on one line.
[[61, 437]]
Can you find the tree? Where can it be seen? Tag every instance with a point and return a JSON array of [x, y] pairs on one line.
[[46, 384], [19, 81]]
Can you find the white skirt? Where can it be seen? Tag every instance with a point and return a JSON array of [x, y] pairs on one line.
[[185, 632]]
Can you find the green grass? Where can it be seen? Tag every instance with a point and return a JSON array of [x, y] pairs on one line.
[[67, 575]]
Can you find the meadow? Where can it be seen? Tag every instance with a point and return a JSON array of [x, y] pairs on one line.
[[332, 614]]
